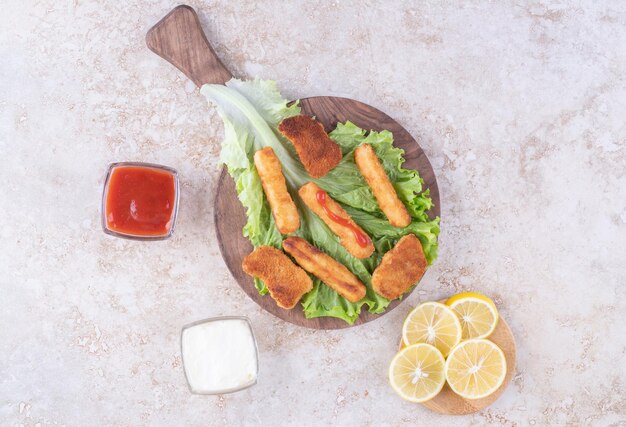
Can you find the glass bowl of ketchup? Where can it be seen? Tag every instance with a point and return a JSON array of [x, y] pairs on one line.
[[140, 201]]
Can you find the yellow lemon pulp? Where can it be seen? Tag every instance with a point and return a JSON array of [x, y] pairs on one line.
[[432, 323], [475, 368], [477, 313], [416, 373]]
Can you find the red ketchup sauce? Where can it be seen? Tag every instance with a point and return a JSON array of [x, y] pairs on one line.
[[361, 238], [140, 201]]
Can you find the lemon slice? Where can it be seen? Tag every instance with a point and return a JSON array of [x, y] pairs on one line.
[[477, 313], [475, 368], [416, 373], [432, 323]]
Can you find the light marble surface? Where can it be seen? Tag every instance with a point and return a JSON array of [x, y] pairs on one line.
[[521, 108]]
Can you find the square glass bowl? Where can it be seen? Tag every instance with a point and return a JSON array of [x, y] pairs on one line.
[[220, 355], [140, 201]]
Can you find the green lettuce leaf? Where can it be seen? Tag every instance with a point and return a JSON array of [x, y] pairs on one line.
[[251, 111]]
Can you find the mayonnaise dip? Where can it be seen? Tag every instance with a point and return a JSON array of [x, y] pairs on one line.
[[219, 355]]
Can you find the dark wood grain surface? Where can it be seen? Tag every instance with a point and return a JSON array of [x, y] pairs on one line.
[[179, 39]]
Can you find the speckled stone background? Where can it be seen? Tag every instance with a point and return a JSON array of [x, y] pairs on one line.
[[521, 107]]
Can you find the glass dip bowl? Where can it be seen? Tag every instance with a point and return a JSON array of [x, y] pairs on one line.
[[220, 355], [140, 201]]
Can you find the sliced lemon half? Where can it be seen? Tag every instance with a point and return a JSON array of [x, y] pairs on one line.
[[477, 313], [475, 368], [432, 323], [417, 373]]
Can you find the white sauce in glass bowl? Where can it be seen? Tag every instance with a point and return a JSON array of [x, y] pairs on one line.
[[219, 355]]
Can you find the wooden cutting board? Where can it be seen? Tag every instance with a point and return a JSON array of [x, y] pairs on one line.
[[448, 402], [179, 39]]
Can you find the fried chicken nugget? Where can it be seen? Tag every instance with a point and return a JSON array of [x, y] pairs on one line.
[[351, 236], [401, 267], [373, 172], [323, 266], [286, 281], [318, 153], [283, 208]]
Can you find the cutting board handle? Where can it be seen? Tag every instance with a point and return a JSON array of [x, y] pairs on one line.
[[179, 39]]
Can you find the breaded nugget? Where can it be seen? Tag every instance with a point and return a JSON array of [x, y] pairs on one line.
[[323, 266], [373, 172], [283, 208], [318, 153], [286, 281], [351, 236], [401, 267]]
